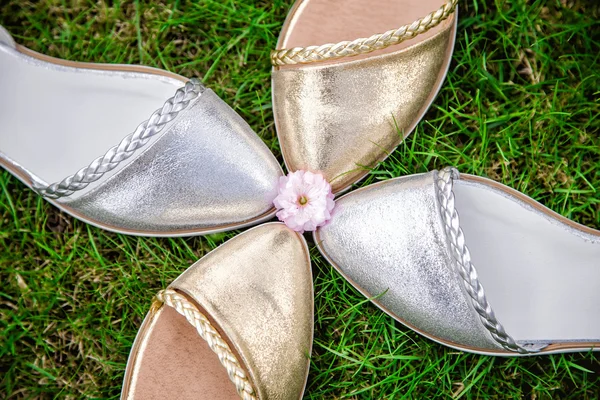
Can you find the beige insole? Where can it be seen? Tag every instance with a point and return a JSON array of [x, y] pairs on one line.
[[174, 362], [317, 22]]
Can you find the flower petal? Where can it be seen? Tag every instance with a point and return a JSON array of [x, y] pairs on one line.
[[318, 208]]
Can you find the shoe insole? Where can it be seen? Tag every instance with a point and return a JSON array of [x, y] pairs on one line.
[[317, 22], [541, 277], [56, 119], [174, 362]]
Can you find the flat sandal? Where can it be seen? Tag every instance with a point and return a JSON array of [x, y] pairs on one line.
[[347, 88], [130, 149]]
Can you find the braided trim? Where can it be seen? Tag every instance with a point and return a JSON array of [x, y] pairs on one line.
[[236, 373], [305, 55], [132, 142], [466, 270]]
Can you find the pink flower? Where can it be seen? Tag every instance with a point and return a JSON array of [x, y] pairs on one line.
[[304, 201]]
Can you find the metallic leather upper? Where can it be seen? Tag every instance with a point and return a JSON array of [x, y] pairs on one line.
[[389, 241], [258, 289], [339, 118], [208, 171]]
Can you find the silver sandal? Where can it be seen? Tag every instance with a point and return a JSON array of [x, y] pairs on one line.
[[71, 131], [401, 242]]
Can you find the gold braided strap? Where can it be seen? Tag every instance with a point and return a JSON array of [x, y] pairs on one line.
[[305, 55], [236, 373]]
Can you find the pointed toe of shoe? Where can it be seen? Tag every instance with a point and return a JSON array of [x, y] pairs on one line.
[[240, 319], [209, 172], [258, 289], [343, 118], [388, 240]]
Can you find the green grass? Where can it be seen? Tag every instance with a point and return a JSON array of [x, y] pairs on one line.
[[520, 105]]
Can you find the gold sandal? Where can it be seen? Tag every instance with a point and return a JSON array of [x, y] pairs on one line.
[[346, 105], [238, 323]]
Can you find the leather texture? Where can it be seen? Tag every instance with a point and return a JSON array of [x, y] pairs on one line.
[[387, 239], [208, 171], [342, 118], [258, 289]]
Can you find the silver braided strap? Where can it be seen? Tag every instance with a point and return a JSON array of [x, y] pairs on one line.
[[304, 55], [236, 373], [132, 142], [466, 270]]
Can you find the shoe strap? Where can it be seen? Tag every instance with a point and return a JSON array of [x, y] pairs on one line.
[[466, 270], [217, 344], [127, 147], [305, 55]]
